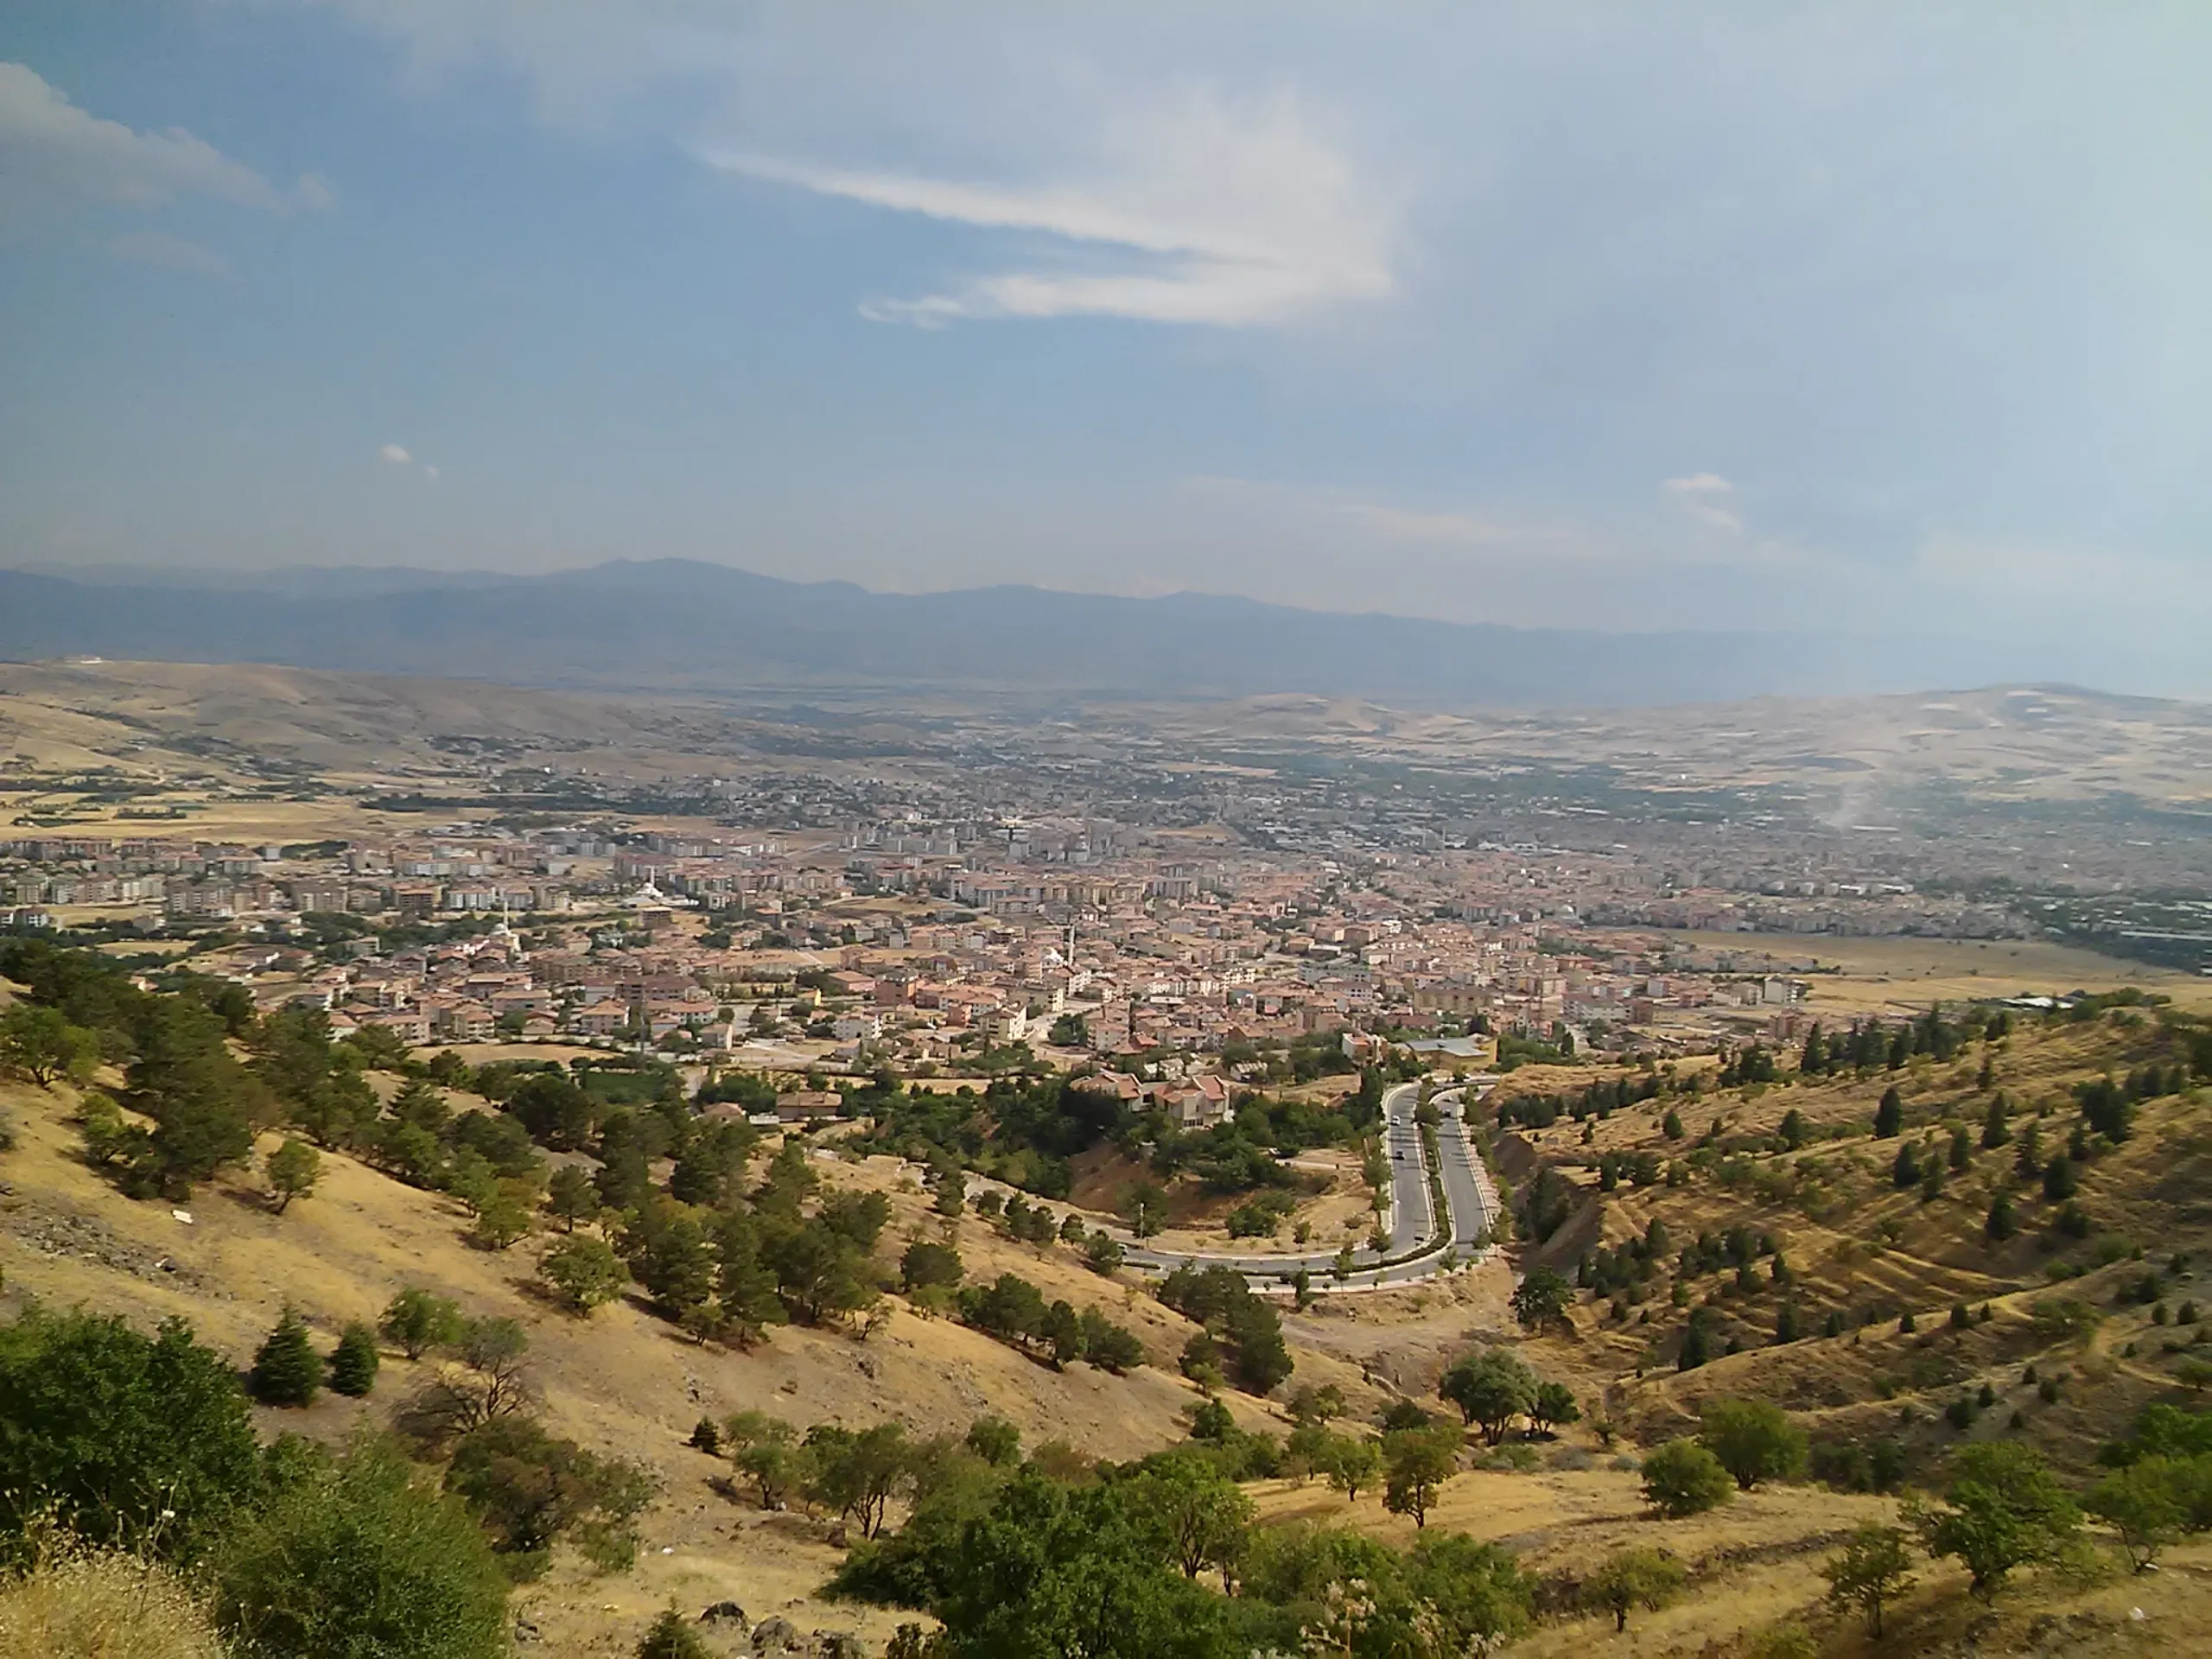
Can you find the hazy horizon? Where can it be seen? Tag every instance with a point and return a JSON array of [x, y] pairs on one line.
[[1735, 318]]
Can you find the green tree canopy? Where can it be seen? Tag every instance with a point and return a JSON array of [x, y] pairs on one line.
[[1753, 1441], [109, 1428], [357, 1558], [1681, 1477]]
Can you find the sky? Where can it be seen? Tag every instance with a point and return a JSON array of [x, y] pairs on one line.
[[1862, 316]]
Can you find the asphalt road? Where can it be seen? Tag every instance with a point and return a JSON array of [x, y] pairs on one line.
[[1418, 1247]]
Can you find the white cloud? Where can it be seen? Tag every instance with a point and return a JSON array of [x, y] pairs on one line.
[[394, 454], [1708, 499], [54, 149], [50, 147], [1196, 210]]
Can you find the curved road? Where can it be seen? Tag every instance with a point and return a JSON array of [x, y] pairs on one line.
[[1418, 1247]]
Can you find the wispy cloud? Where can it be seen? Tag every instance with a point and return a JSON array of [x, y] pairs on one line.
[[1708, 499], [1198, 210], [49, 147], [1388, 521], [396, 454]]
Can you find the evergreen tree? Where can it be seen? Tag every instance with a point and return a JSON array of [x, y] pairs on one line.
[[286, 1371], [1995, 1131], [2001, 1224], [1889, 1116], [1962, 1153], [1906, 1170], [353, 1366], [1815, 1059], [670, 1638]]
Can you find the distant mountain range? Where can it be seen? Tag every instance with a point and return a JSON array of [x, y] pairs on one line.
[[678, 624]]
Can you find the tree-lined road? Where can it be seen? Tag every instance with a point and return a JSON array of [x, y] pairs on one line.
[[1418, 1247]]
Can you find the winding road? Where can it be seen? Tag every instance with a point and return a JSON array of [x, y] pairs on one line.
[[1419, 1247]]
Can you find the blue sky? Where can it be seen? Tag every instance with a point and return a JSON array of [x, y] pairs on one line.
[[1858, 315]]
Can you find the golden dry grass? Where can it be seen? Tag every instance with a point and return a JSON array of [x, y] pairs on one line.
[[1893, 974], [102, 1605]]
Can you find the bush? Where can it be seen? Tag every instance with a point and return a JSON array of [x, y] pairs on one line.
[[356, 1559], [531, 1488], [107, 1429], [1682, 1478]]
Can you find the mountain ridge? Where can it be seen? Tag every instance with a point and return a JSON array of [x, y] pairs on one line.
[[672, 624]]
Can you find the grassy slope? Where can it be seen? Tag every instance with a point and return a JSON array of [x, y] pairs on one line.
[[622, 1382]]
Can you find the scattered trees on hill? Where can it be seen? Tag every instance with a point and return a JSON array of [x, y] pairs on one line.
[[1250, 1329], [584, 1272], [1542, 1299], [531, 1489], [416, 1321], [107, 1429], [354, 1556]]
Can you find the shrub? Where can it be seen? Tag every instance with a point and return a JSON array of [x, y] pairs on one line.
[[1872, 1569], [107, 1428], [530, 1488], [1684, 1478], [354, 1558]]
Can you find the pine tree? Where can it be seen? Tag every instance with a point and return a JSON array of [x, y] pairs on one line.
[[353, 1365], [1889, 1116], [671, 1638], [286, 1371], [1815, 1057], [2001, 1225], [1995, 1131], [1906, 1170]]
